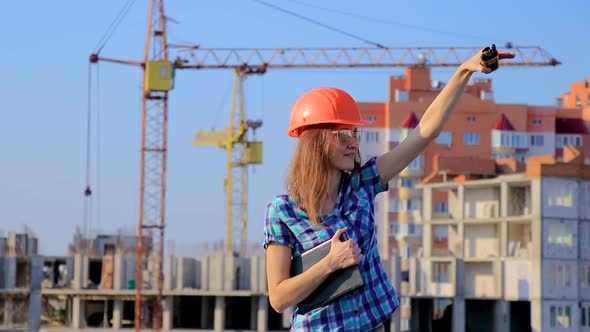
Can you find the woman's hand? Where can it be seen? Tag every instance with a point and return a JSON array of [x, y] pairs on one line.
[[343, 253], [475, 64]]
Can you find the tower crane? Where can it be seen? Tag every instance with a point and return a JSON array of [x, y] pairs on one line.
[[240, 152], [158, 81]]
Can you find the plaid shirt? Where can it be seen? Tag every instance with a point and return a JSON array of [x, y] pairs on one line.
[[367, 307]]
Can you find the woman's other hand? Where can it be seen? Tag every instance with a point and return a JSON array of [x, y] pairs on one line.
[[343, 253]]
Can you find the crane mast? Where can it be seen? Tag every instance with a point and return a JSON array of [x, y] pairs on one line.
[[157, 81]]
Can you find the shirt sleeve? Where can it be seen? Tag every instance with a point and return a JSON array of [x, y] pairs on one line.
[[275, 230], [370, 178]]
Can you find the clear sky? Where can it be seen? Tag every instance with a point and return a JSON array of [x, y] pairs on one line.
[[45, 49]]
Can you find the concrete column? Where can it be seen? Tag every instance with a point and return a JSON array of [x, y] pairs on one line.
[[396, 319], [219, 314], [503, 238], [167, 303], [118, 272], [35, 310], [458, 314], [253, 312], [36, 277], [169, 272], [8, 312], [10, 272], [459, 278], [426, 204], [504, 199], [427, 239], [117, 313], [77, 313], [286, 315], [78, 272], [204, 311], [502, 316], [460, 210], [536, 315], [262, 317]]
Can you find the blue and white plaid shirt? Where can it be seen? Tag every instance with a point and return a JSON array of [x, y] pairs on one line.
[[365, 308]]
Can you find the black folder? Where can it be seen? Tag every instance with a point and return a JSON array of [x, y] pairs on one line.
[[337, 284]]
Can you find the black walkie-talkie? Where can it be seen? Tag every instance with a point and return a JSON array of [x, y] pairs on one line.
[[490, 57]]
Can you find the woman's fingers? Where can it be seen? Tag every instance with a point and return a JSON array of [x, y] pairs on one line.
[[506, 55]]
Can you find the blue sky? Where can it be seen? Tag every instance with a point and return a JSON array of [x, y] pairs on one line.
[[45, 52]]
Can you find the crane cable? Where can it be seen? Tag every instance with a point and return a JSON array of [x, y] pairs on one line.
[[319, 23], [87, 208], [91, 209], [110, 31], [389, 22]]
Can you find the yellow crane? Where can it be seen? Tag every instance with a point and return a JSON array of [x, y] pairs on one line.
[[158, 81]]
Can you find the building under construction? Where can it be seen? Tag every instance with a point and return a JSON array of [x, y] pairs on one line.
[[96, 291]]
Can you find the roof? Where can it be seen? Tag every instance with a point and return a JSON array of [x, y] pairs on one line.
[[570, 126], [411, 121], [503, 123]]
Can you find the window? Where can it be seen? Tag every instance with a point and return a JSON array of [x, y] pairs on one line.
[[578, 101], [470, 119], [441, 207], [560, 235], [537, 140], [560, 316], [416, 163], [582, 316], [371, 136], [563, 140], [560, 275], [409, 204], [445, 138], [372, 118], [441, 272], [561, 196], [393, 205], [537, 122], [406, 183], [471, 138]]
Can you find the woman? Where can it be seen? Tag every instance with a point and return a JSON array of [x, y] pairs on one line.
[[330, 193]]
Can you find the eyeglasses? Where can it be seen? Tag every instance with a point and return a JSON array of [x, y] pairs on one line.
[[346, 136]]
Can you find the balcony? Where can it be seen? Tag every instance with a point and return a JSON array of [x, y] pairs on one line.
[[409, 193], [432, 277], [482, 203], [517, 279], [482, 279], [481, 241]]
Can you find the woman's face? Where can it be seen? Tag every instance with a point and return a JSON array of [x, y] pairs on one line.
[[344, 145]]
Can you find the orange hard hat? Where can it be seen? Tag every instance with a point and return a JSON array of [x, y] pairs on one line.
[[324, 105]]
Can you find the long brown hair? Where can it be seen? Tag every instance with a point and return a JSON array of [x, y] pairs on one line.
[[307, 182]]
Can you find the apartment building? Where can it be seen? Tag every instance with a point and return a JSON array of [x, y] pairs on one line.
[[479, 127], [514, 254]]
